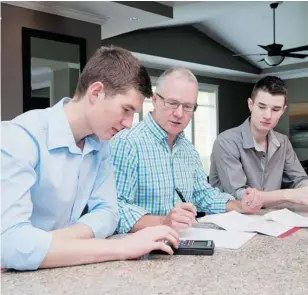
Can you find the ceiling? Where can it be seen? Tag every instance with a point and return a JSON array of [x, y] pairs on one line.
[[241, 30], [238, 25], [241, 26], [118, 16]]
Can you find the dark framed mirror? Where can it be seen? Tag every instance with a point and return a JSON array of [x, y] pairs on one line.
[[52, 64]]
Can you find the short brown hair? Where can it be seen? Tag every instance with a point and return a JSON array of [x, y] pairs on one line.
[[272, 85], [117, 69]]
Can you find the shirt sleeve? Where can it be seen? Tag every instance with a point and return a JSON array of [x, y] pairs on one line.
[[206, 198], [23, 246], [229, 168], [103, 214], [294, 175], [125, 163]]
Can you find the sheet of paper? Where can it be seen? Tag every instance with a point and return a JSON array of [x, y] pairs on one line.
[[221, 238], [234, 221], [287, 217], [271, 228]]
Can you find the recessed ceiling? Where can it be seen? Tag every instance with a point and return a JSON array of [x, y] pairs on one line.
[[115, 18], [120, 18], [238, 25], [242, 30], [241, 25]]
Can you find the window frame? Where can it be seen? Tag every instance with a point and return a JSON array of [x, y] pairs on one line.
[[26, 35]]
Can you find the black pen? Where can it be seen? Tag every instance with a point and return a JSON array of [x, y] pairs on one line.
[[182, 197]]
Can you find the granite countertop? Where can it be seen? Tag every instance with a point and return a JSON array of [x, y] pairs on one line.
[[265, 265]]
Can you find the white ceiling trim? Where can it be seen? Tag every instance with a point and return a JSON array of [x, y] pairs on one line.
[[163, 63], [51, 7], [291, 74]]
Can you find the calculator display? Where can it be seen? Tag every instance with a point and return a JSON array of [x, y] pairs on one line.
[[202, 244], [195, 244]]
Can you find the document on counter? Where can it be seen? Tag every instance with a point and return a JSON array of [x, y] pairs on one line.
[[287, 217], [267, 224], [221, 238]]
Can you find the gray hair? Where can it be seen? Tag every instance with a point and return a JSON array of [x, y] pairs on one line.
[[178, 73]]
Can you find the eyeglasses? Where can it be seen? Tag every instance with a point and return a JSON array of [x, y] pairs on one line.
[[173, 104]]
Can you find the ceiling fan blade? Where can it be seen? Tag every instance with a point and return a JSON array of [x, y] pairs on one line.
[[295, 55], [265, 47], [301, 48], [249, 54]]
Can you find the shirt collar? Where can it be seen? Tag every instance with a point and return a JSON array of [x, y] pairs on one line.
[[248, 140], [94, 142], [258, 148], [60, 133], [273, 139], [157, 131]]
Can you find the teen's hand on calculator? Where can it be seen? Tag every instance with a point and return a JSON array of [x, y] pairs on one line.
[[149, 239], [182, 216], [252, 201]]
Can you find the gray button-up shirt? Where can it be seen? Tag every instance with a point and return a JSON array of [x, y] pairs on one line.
[[237, 162]]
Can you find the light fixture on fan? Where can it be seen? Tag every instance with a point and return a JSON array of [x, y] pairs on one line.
[[274, 60]]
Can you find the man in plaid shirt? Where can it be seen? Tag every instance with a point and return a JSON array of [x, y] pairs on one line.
[[154, 163]]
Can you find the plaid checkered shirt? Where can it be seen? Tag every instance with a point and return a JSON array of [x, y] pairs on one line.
[[147, 173]]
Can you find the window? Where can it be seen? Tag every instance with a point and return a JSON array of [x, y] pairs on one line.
[[202, 129], [205, 121]]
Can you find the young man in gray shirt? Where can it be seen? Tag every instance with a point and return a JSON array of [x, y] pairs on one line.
[[252, 155]]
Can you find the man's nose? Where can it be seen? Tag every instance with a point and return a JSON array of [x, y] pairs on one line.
[[179, 112]]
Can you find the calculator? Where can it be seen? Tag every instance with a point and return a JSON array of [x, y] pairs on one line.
[[191, 247]]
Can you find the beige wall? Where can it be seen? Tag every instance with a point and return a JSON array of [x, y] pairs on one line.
[[13, 19]]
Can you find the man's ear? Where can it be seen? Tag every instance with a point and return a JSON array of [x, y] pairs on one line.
[[250, 104], [284, 109], [154, 99], [96, 92]]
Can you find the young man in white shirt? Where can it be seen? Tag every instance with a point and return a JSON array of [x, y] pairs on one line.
[[57, 160]]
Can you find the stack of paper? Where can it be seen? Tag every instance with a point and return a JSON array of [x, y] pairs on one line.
[[273, 224], [221, 238]]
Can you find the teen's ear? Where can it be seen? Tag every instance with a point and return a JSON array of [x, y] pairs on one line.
[[96, 92], [284, 109], [250, 104]]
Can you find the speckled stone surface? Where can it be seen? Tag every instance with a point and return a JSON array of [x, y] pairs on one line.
[[265, 265]]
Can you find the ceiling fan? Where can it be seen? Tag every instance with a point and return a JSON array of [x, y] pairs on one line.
[[275, 55]]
